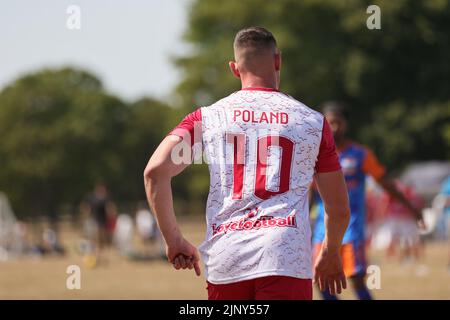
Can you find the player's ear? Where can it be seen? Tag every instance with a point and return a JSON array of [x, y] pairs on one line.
[[234, 69], [277, 58]]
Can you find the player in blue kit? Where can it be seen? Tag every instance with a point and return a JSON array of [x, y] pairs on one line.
[[357, 163]]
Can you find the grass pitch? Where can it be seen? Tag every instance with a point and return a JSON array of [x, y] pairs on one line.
[[119, 278]]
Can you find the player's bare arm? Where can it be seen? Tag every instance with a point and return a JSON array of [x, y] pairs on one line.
[[328, 272], [157, 178]]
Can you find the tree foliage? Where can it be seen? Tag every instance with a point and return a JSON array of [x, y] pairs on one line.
[[395, 80], [61, 130]]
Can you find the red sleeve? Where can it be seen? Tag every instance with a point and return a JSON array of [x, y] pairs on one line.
[[327, 160], [190, 128]]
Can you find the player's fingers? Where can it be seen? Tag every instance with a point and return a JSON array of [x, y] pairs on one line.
[[176, 263], [195, 257], [195, 261], [321, 283], [197, 268], [344, 281], [316, 276], [189, 263], [330, 285], [169, 258], [337, 282], [182, 261]]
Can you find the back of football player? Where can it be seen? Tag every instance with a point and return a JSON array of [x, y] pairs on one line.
[[263, 149]]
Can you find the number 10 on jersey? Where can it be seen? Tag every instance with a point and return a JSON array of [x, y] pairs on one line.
[[263, 145]]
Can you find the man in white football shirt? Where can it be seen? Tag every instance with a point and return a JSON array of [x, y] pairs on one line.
[[263, 150]]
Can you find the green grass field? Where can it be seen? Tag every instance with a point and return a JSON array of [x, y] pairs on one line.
[[27, 278]]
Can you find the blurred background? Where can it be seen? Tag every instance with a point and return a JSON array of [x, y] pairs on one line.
[[82, 108]]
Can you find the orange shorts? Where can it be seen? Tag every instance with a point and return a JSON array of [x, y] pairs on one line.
[[353, 258]]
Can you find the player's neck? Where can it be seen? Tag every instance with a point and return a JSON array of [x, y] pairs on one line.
[[258, 82], [342, 143]]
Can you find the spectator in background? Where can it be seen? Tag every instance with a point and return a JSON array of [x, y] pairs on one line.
[[357, 163], [124, 234], [103, 210], [399, 224], [145, 222], [148, 229]]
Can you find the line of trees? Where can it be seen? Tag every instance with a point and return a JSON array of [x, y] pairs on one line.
[[395, 80], [61, 132]]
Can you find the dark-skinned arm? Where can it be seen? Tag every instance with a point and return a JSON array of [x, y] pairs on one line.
[[391, 188]]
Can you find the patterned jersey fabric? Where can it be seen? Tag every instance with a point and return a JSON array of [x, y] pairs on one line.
[[263, 148]]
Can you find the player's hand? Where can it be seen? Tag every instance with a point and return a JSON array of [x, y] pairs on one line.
[[183, 255], [419, 219], [418, 216], [328, 273], [421, 224]]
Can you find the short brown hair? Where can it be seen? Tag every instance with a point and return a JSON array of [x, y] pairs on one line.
[[255, 37]]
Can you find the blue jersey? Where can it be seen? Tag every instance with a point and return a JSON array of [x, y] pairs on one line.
[[357, 162]]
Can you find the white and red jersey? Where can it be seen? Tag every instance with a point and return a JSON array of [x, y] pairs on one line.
[[262, 148]]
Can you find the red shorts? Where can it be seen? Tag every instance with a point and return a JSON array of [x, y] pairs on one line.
[[265, 288]]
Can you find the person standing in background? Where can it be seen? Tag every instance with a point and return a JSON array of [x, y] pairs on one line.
[[103, 210], [357, 163]]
